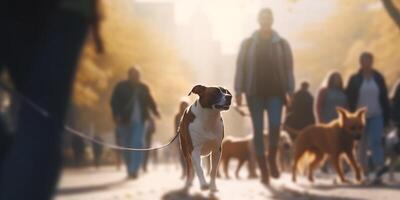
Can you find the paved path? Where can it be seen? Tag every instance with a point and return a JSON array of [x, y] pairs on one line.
[[164, 183]]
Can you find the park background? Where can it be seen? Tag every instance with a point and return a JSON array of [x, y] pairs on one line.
[[179, 43]]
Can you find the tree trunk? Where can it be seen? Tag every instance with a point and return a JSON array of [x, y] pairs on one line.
[[392, 10]]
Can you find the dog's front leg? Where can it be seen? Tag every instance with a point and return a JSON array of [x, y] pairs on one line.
[[337, 165], [354, 165], [196, 157], [216, 155]]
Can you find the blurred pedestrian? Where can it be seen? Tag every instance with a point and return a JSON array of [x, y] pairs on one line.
[[184, 103], [264, 73], [97, 150], [150, 129], [396, 106], [392, 145], [300, 113], [40, 44], [330, 96], [367, 88], [78, 148], [131, 104]]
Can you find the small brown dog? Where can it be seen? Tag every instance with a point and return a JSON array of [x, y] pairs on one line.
[[243, 150], [332, 139]]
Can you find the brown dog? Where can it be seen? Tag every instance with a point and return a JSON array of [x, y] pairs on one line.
[[201, 132], [242, 149], [332, 139]]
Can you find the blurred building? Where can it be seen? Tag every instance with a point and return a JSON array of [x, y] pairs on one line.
[[193, 40], [197, 45], [158, 15]]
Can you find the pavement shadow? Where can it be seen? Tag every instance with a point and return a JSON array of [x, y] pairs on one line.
[[89, 188], [286, 193], [356, 186], [184, 195]]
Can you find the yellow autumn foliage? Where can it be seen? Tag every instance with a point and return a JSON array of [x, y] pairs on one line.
[[128, 42]]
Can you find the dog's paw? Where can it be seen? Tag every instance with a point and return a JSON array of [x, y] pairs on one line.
[[359, 177], [252, 176], [185, 190], [345, 181], [187, 186]]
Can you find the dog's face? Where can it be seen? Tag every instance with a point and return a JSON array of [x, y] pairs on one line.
[[352, 123], [216, 98]]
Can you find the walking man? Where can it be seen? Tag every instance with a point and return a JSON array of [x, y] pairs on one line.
[[301, 113], [131, 103], [367, 88], [264, 74]]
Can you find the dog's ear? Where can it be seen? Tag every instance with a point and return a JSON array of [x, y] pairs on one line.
[[361, 112], [342, 114], [341, 111], [198, 89]]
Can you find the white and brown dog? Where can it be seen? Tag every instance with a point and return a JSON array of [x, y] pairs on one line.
[[201, 132]]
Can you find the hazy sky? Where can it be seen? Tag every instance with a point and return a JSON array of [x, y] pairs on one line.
[[232, 20]]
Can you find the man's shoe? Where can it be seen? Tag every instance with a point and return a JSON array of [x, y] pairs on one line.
[[133, 176], [274, 170], [263, 169]]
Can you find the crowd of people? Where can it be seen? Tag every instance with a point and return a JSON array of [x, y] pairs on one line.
[[366, 88], [264, 74]]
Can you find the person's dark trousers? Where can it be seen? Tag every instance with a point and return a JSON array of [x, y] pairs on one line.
[[78, 149], [42, 63], [385, 168], [5, 139], [146, 154], [97, 153], [273, 106]]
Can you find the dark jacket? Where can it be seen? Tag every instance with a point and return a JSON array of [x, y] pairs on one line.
[[122, 101], [300, 114], [396, 106], [245, 76], [353, 90], [28, 12]]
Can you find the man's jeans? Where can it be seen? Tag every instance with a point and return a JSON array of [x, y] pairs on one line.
[[132, 135], [372, 140], [273, 106]]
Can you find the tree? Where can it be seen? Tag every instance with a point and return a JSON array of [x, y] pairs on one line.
[[128, 41], [337, 41], [392, 10]]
